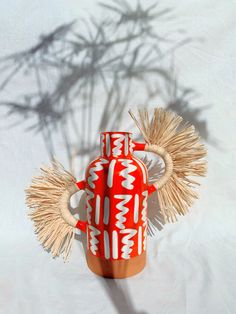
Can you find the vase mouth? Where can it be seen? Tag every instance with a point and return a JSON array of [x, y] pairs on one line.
[[115, 132], [115, 144]]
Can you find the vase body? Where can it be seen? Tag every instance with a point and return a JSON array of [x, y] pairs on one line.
[[116, 202]]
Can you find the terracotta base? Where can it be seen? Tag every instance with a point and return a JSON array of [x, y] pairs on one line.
[[116, 268]]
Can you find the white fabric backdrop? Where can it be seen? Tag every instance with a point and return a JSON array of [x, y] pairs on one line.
[[191, 264]]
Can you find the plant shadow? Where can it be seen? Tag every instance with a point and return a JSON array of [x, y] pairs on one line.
[[84, 77]]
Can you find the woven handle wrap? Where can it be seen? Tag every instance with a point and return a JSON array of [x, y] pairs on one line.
[[161, 152], [168, 162], [64, 205]]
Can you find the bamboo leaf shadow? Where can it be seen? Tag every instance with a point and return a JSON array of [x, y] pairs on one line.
[[84, 74]]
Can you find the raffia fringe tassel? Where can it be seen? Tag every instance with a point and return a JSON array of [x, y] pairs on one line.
[[44, 198], [180, 140]]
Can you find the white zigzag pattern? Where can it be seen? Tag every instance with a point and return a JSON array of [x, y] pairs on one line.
[[127, 247], [125, 173], [94, 241], [116, 151], [92, 171], [90, 195], [145, 238], [131, 146], [144, 210], [124, 210], [144, 218]]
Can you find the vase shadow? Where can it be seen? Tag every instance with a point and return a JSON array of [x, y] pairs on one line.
[[117, 289]]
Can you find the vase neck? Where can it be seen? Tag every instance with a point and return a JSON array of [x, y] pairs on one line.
[[116, 144]]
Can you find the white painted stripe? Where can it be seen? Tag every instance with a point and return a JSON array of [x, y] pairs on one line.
[[106, 244], [143, 169], [126, 144], [102, 144], [144, 208], [111, 173], [106, 210], [108, 145], [97, 213], [145, 238], [140, 240], [90, 195], [136, 207], [114, 244]]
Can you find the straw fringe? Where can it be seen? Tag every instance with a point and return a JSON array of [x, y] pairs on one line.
[[179, 139], [43, 197]]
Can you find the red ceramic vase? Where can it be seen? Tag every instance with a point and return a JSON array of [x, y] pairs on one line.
[[116, 189]]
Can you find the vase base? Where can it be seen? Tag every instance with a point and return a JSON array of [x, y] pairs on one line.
[[116, 268]]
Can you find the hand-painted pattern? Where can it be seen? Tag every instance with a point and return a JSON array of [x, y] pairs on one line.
[[126, 173], [94, 232], [108, 145], [140, 240], [116, 200], [97, 209], [128, 243], [106, 245], [144, 209], [106, 214], [131, 146], [123, 209], [145, 238], [93, 172], [144, 219], [111, 170], [90, 196], [116, 150], [102, 144], [136, 208], [115, 243]]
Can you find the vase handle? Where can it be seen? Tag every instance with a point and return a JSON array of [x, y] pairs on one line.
[[161, 152], [65, 201]]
